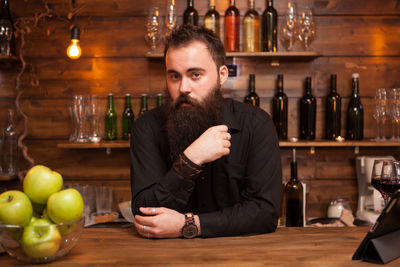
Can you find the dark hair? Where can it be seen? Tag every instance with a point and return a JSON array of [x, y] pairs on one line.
[[188, 33]]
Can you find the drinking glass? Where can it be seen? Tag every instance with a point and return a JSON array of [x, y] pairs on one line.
[[395, 113], [94, 117], [103, 199], [389, 178], [381, 114], [306, 28], [376, 175], [170, 18], [6, 33], [153, 35], [79, 109], [89, 200], [288, 30]]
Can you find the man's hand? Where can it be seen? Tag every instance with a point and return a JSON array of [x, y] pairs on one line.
[[162, 223], [211, 145]]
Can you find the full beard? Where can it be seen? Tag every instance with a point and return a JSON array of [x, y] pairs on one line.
[[185, 124]]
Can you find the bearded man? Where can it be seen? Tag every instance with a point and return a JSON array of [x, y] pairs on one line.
[[202, 165]]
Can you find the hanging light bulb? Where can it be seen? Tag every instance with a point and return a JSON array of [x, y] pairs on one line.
[[74, 50]]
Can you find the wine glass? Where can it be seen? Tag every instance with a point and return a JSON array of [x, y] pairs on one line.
[[6, 33], [376, 175], [395, 113], [306, 28], [153, 35], [170, 18], [288, 29], [389, 178]]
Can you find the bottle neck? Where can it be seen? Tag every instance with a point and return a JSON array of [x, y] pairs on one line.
[[110, 104], [212, 4], [159, 101], [293, 171], [10, 118], [252, 84], [144, 102], [280, 84], [231, 2], [270, 3], [127, 101], [190, 3], [5, 10], [308, 86], [333, 84], [251, 4], [355, 87]]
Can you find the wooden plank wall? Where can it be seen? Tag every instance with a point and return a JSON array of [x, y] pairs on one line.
[[352, 36]]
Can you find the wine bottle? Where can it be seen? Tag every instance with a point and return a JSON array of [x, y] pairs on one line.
[[143, 105], [9, 153], [232, 28], [211, 19], [294, 198], [110, 120], [269, 28], [355, 113], [280, 110], [252, 98], [127, 118], [190, 16], [7, 36], [333, 111], [308, 108], [251, 29]]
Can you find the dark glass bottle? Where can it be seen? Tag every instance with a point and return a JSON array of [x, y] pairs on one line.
[[355, 113], [9, 153], [294, 206], [143, 105], [7, 36], [252, 98], [232, 28], [110, 120], [159, 99], [280, 110], [251, 29], [127, 118], [211, 19], [269, 28], [308, 108], [333, 111], [190, 16]]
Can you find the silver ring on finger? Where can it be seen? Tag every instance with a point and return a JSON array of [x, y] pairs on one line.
[[153, 211], [144, 229]]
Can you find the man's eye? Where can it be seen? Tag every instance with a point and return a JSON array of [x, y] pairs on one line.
[[196, 75], [174, 76]]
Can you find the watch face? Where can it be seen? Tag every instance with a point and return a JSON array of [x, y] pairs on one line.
[[189, 231]]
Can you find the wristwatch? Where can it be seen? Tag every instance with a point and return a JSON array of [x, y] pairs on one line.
[[189, 230]]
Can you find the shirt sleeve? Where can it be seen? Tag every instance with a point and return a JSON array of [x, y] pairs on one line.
[[153, 184], [259, 208]]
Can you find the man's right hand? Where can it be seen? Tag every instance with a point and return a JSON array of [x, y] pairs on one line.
[[211, 145]]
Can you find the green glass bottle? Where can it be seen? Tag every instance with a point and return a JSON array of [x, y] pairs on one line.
[[252, 98], [127, 118], [110, 120], [143, 105], [355, 113], [269, 28], [211, 19], [159, 99]]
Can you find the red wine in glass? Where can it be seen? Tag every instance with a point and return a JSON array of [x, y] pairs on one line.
[[389, 185], [376, 183]]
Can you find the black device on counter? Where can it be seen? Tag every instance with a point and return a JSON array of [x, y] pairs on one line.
[[382, 242]]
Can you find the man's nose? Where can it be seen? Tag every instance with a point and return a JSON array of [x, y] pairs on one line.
[[185, 87]]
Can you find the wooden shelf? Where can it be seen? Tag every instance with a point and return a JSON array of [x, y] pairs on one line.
[[298, 56], [8, 177], [317, 143], [9, 58], [102, 144]]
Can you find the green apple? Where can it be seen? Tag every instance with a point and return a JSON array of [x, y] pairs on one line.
[[15, 208], [41, 239], [40, 182], [65, 206], [45, 215]]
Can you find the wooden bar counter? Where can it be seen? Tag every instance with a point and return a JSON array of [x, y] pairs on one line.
[[286, 247]]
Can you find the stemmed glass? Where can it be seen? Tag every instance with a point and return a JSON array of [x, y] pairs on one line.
[[306, 28], [170, 18], [395, 113], [390, 179], [288, 30], [381, 114], [153, 35]]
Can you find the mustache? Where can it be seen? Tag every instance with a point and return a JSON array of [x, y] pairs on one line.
[[185, 99]]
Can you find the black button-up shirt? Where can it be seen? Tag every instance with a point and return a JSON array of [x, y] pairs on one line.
[[235, 195]]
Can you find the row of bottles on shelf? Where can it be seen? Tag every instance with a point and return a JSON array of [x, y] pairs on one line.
[[7, 37], [308, 109], [250, 27], [128, 116]]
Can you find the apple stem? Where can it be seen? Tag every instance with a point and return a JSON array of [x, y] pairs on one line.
[[10, 198]]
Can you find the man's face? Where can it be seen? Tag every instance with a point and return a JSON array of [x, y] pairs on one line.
[[191, 71]]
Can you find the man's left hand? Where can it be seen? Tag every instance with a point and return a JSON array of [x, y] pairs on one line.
[[160, 223]]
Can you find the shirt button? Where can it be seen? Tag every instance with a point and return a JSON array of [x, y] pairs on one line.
[[202, 178]]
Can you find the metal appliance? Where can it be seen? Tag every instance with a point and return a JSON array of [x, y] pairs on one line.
[[370, 201]]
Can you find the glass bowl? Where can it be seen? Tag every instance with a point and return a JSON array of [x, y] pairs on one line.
[[126, 211], [41, 243]]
